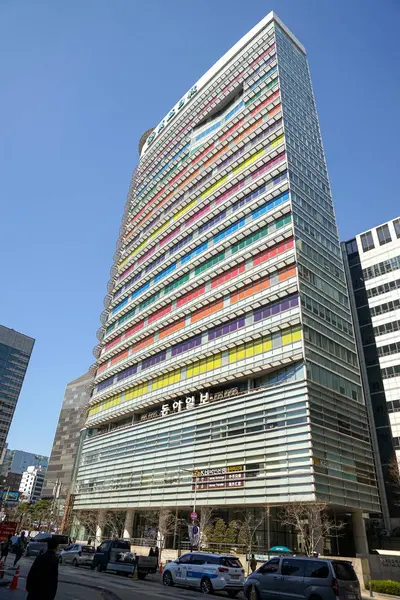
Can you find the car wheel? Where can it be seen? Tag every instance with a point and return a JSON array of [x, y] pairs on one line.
[[232, 594], [206, 586], [251, 592], [141, 575], [75, 563], [99, 568], [167, 579]]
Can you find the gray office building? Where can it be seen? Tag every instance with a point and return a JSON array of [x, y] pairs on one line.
[[17, 461], [15, 352], [66, 439]]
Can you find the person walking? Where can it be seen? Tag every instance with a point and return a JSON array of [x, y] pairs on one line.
[[19, 547], [42, 580], [253, 563], [6, 547], [157, 553]]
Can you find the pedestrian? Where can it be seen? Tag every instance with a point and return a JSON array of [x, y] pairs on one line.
[[19, 547], [42, 580], [253, 563], [156, 553], [151, 553], [5, 548]]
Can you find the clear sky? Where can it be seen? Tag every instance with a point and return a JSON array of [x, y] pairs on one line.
[[81, 80]]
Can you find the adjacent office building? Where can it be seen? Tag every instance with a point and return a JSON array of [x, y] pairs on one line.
[[17, 461], [67, 437], [372, 262], [227, 364], [15, 352], [31, 484]]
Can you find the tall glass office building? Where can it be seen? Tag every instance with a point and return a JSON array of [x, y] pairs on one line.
[[15, 352], [227, 360]]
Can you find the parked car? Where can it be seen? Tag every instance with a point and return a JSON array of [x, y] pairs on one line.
[[39, 543], [208, 572], [77, 555], [298, 578], [116, 555]]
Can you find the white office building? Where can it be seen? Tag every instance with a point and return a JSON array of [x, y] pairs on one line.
[[31, 484]]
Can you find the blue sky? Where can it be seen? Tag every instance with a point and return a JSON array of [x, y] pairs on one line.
[[81, 81]]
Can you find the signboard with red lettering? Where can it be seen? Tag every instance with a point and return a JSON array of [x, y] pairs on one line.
[[220, 478], [7, 528]]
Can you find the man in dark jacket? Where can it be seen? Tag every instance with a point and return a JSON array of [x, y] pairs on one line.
[[42, 580]]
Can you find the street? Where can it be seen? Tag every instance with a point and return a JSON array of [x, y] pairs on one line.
[[84, 584]]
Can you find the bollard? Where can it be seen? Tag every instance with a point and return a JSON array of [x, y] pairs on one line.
[[371, 593], [135, 576], [14, 582], [161, 568]]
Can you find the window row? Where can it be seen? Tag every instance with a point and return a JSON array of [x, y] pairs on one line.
[[208, 335], [389, 349], [247, 350], [387, 328], [386, 266], [384, 288], [385, 308], [389, 372]]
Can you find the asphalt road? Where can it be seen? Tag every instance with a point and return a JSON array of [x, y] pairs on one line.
[[83, 584]]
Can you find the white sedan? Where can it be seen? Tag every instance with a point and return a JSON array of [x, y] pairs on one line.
[[77, 555]]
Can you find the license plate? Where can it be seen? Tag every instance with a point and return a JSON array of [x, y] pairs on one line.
[[237, 577], [351, 597]]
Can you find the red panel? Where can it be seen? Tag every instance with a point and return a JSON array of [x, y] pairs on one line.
[[133, 329], [231, 274], [188, 297], [113, 342], [160, 313], [267, 254]]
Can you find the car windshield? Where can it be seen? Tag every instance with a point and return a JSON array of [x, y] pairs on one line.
[[41, 537], [344, 571], [88, 549], [230, 561]]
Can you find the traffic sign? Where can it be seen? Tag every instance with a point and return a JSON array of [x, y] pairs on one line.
[[193, 516], [195, 530]]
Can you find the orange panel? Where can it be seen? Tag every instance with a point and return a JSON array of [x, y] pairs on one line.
[[171, 328], [119, 357], [206, 311]]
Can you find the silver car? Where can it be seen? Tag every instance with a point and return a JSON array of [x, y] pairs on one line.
[[78, 555], [303, 579]]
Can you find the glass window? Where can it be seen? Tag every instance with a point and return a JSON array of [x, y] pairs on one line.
[[271, 566], [344, 571], [198, 559], [317, 569], [213, 560], [292, 567], [351, 247], [229, 561], [396, 225], [185, 559], [367, 241], [384, 236]]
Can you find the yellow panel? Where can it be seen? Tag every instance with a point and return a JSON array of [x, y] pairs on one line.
[[216, 185], [233, 355], [286, 337], [159, 230], [250, 160], [185, 209], [267, 344], [121, 264], [258, 347], [277, 141], [296, 334]]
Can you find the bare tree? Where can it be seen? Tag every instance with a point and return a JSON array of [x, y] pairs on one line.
[[207, 518], [249, 525], [311, 522], [89, 520], [114, 523], [166, 526]]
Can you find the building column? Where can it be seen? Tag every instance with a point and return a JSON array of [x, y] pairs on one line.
[[128, 527], [359, 533], [100, 527]]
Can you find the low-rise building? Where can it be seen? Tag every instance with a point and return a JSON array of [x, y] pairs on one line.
[[32, 484]]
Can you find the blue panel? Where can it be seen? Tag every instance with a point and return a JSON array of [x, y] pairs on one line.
[[165, 272]]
